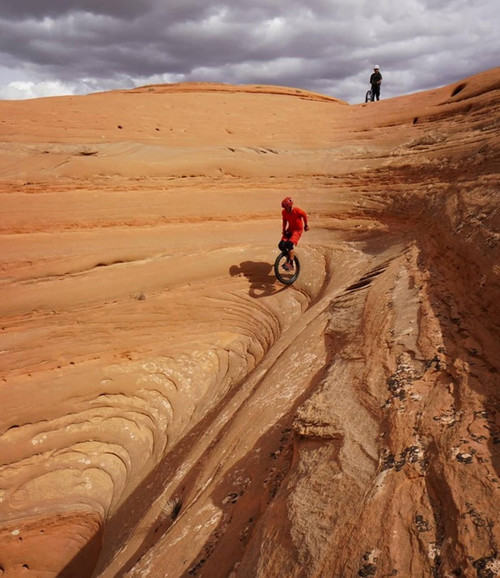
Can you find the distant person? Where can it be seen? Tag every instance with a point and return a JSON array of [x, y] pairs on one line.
[[376, 81], [294, 222]]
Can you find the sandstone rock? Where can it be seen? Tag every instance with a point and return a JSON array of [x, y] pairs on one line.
[[170, 409]]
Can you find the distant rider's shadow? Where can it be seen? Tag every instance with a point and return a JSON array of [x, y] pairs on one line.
[[261, 278]]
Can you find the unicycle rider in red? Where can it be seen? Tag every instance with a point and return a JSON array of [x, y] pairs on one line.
[[294, 223]]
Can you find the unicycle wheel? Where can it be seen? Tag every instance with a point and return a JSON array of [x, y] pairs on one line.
[[284, 276]]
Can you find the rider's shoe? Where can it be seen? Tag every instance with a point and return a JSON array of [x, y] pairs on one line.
[[288, 266]]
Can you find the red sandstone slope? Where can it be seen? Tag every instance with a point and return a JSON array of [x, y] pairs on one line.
[[170, 410]]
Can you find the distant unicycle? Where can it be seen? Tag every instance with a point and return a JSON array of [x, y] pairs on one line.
[[284, 272], [369, 96]]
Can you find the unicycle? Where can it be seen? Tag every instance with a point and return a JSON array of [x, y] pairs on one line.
[[369, 96], [284, 276]]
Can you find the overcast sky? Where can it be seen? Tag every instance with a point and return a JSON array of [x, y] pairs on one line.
[[55, 47]]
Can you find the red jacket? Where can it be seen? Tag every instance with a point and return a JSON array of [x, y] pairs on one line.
[[294, 222]]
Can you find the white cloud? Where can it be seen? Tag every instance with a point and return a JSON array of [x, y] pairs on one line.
[[20, 89]]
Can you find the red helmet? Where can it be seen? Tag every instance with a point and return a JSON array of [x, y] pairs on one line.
[[287, 202]]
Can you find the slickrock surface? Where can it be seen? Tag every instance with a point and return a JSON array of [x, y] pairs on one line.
[[170, 410]]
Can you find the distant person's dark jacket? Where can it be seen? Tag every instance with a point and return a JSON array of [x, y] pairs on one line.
[[376, 79]]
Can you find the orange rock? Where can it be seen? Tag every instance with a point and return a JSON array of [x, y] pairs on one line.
[[169, 409]]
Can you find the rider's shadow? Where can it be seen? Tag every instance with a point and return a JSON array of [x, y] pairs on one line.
[[260, 275]]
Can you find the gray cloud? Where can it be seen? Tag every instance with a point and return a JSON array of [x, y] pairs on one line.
[[27, 9], [79, 46]]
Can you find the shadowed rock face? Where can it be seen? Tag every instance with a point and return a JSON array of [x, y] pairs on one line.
[[169, 409]]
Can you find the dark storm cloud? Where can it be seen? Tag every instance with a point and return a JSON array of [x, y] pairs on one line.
[[37, 9], [77, 46]]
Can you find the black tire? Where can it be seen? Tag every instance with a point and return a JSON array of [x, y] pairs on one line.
[[286, 277], [369, 96]]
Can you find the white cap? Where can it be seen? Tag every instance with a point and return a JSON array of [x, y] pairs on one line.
[[376, 66]]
